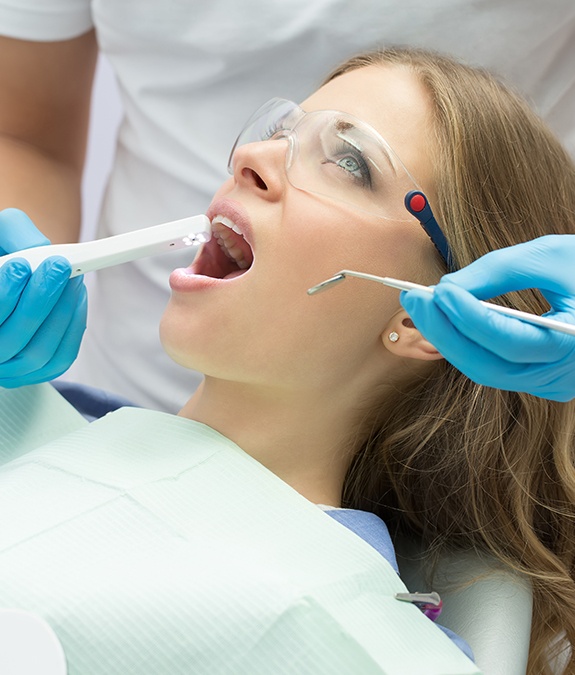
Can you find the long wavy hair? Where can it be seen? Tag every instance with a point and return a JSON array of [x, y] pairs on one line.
[[459, 464]]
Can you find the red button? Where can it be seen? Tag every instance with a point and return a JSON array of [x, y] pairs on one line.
[[417, 202]]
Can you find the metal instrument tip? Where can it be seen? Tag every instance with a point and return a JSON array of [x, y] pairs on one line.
[[326, 285]]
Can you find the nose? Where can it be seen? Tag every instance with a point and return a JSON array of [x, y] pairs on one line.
[[261, 167]]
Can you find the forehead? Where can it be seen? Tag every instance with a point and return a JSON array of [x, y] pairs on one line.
[[394, 102]]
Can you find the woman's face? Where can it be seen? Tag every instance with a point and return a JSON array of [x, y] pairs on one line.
[[258, 325]]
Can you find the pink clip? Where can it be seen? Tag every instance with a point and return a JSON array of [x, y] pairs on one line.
[[429, 603]]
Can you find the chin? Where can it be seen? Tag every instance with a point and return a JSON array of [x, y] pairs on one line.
[[186, 345], [172, 338]]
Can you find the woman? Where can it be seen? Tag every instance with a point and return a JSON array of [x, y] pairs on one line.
[[339, 396]]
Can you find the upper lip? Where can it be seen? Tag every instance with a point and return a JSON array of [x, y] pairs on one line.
[[235, 212]]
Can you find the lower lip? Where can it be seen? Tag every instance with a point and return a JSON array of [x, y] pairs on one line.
[[183, 280]]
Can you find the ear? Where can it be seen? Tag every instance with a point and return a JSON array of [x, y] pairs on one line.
[[402, 338]]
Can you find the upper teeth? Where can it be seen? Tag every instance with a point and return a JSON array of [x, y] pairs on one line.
[[228, 247], [227, 222]]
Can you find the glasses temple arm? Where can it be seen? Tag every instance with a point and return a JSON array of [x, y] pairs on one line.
[[418, 205]]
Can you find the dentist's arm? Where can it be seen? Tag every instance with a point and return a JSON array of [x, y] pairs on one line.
[[42, 314], [499, 351], [45, 90]]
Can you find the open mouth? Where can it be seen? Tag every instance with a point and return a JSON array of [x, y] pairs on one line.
[[226, 255]]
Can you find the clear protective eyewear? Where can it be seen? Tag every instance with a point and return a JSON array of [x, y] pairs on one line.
[[336, 155]]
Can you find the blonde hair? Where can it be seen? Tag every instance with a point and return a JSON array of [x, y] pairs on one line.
[[458, 463]]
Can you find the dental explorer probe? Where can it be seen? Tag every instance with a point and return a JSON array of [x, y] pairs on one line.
[[410, 285], [94, 255]]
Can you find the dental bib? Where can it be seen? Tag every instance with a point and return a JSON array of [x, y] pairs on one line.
[[151, 544]]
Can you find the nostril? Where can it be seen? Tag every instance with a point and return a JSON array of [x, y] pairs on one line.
[[256, 178], [260, 182]]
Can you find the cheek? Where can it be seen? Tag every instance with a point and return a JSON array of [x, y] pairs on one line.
[[384, 248], [325, 240], [343, 315]]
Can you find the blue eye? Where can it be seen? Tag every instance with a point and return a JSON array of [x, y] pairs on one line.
[[353, 163]]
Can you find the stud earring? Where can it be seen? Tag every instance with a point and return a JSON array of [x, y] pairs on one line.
[[393, 336]]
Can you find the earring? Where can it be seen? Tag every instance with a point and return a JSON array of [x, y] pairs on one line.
[[393, 336]]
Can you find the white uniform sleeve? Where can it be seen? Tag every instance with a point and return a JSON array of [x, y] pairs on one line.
[[45, 21]]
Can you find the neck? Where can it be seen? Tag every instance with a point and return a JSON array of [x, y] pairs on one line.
[[303, 437]]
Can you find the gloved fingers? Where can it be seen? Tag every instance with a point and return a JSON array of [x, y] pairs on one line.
[[55, 344], [560, 303], [429, 320], [479, 364], [511, 339], [58, 339], [473, 360], [37, 300], [17, 232], [545, 263], [13, 279], [556, 383], [435, 327]]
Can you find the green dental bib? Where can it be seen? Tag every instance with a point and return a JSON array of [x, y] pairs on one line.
[[153, 545]]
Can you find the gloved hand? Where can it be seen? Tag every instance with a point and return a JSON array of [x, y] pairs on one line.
[[42, 314], [499, 351]]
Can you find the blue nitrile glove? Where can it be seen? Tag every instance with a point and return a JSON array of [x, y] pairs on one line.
[[42, 314], [496, 350]]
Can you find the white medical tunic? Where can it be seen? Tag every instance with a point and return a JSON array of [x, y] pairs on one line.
[[191, 72]]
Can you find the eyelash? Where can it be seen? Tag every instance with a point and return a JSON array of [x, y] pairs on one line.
[[271, 131], [344, 150]]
